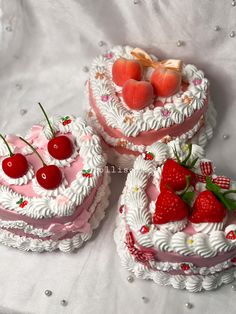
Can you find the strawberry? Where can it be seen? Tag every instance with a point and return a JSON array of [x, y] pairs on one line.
[[148, 156], [207, 208], [185, 267], [169, 207], [174, 176]]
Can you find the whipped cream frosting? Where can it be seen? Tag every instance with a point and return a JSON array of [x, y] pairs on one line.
[[115, 112]]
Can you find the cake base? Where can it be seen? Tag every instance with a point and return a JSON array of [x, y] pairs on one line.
[[65, 245], [192, 283]]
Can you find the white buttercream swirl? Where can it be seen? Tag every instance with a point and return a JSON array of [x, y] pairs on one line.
[[49, 193], [173, 226], [18, 181]]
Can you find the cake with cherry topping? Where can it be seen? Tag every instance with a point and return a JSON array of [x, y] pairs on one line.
[[176, 222], [54, 189], [136, 100]]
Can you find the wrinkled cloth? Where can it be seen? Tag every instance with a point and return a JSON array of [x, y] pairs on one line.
[[45, 47]]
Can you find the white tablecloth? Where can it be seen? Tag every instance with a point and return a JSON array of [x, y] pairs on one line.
[[44, 47]]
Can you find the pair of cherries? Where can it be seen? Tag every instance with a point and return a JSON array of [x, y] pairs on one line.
[[49, 176]]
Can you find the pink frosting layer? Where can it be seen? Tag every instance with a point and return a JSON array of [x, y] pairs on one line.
[[149, 137]]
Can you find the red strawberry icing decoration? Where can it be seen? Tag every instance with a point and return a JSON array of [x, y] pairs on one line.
[[169, 207], [174, 172], [59, 147], [231, 235], [48, 176], [144, 229], [185, 267], [16, 165], [66, 120], [148, 156], [22, 203], [87, 173]]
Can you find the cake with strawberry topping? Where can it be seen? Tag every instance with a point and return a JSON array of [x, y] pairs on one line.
[[54, 190], [136, 100], [176, 222]]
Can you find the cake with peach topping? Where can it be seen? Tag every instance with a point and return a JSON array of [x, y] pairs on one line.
[[135, 100]]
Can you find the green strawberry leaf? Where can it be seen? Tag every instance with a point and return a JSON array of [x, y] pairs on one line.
[[20, 201], [188, 197]]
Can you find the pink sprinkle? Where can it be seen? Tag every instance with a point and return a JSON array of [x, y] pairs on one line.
[[104, 97], [109, 55], [197, 81], [165, 112], [62, 200]]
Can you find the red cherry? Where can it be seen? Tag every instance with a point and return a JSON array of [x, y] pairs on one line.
[[49, 177], [60, 147], [23, 204], [15, 166]]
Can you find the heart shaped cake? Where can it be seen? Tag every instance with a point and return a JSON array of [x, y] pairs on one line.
[[176, 222], [54, 189], [136, 100]]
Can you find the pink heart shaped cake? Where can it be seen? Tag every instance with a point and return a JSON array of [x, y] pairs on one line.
[[176, 222], [56, 202], [136, 100]]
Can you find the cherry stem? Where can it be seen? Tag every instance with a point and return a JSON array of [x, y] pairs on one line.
[[34, 150], [46, 116], [8, 147], [187, 186]]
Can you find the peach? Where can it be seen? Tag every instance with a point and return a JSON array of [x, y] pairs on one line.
[[166, 82], [123, 70], [137, 95]]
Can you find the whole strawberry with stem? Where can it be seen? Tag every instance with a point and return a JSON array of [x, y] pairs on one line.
[[211, 205], [15, 166], [174, 172], [59, 147], [48, 176], [171, 207]]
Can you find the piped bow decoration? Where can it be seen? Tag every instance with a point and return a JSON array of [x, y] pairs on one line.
[[207, 170], [146, 60], [79, 225]]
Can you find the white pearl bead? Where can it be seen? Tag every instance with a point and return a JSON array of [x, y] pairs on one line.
[[101, 43], [232, 34], [233, 287], [64, 302], [225, 136], [179, 43], [233, 3], [130, 278], [48, 293], [188, 305]]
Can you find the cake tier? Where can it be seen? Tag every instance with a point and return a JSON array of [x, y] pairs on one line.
[[34, 218], [128, 131]]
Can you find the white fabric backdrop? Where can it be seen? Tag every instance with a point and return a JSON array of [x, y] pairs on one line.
[[44, 46]]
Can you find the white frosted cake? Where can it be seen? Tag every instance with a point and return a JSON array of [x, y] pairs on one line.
[[182, 237], [58, 202], [136, 100]]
